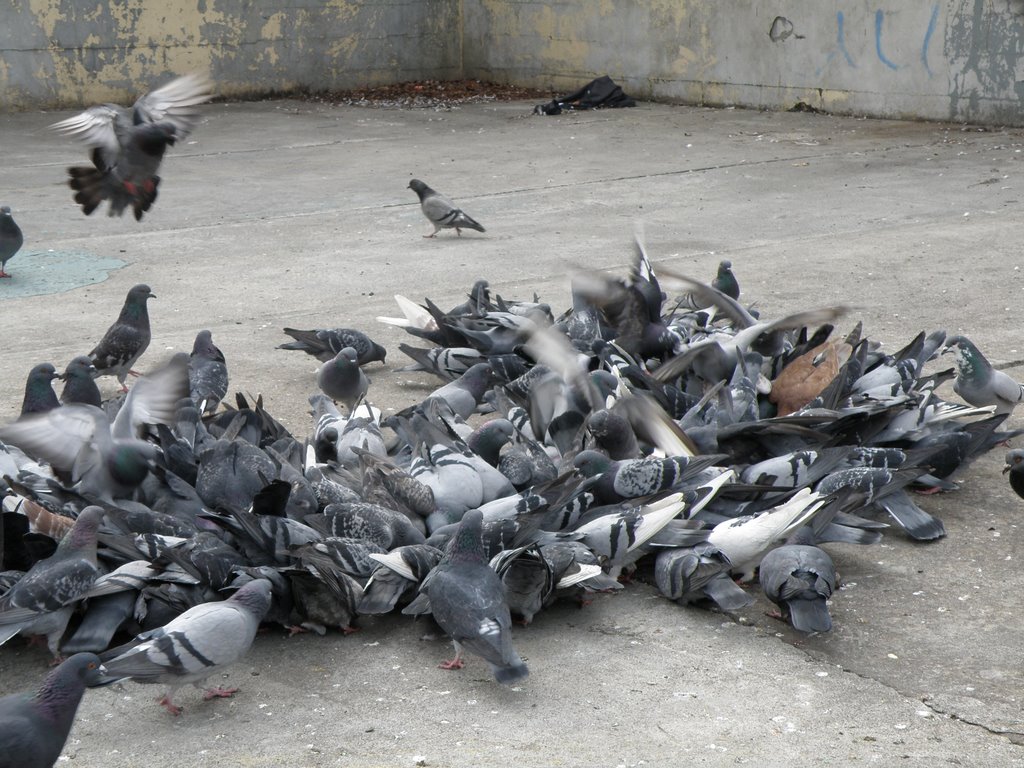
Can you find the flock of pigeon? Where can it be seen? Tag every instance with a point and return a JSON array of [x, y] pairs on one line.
[[686, 441]]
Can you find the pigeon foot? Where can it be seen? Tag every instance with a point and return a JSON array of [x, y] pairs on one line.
[[455, 663], [219, 693], [170, 706]]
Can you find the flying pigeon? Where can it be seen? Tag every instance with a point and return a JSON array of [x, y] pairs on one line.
[[978, 382], [441, 211], [80, 383], [39, 394], [207, 373], [127, 145], [198, 643], [42, 601], [800, 579], [342, 380], [11, 238], [325, 343], [467, 600], [34, 725], [125, 340]]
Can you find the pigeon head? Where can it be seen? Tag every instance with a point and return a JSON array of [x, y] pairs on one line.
[[63, 687], [467, 545], [591, 463], [154, 138], [255, 596], [969, 359], [419, 188], [5, 210], [79, 367], [1014, 460]]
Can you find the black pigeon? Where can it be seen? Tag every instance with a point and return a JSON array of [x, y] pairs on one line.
[[441, 211], [467, 600], [80, 383], [125, 340], [325, 343], [11, 238], [1015, 468], [34, 725], [207, 373], [39, 394], [128, 145]]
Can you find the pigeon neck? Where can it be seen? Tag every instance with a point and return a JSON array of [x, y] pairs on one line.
[[57, 698], [134, 311]]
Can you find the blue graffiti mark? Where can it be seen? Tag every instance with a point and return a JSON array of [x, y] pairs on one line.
[[879, 20], [841, 38], [928, 38]]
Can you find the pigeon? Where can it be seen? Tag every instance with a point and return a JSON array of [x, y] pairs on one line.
[[42, 601], [128, 145], [465, 393], [725, 281], [11, 238], [325, 343], [105, 460], [34, 726], [125, 340], [80, 383], [39, 394], [441, 211], [341, 379], [1015, 468], [198, 643], [467, 600], [800, 579], [978, 382], [207, 373]]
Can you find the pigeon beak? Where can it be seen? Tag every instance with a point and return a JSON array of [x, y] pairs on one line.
[[1007, 468]]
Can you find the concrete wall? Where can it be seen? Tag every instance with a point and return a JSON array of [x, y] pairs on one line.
[[948, 59], [73, 52], [945, 59]]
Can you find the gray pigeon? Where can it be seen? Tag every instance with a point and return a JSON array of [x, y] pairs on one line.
[[80, 383], [125, 340], [11, 238], [342, 380], [466, 392], [800, 579], [978, 382], [42, 601], [467, 600], [127, 145], [441, 211], [34, 725], [325, 343], [198, 643], [39, 394], [725, 281], [207, 373], [106, 460]]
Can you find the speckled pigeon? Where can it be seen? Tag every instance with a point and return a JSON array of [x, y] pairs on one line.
[[125, 340], [198, 643], [42, 601], [467, 600], [800, 579], [11, 239], [34, 726], [978, 382], [127, 145], [441, 211], [325, 343], [613, 481]]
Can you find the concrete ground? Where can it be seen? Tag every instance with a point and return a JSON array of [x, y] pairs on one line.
[[287, 213]]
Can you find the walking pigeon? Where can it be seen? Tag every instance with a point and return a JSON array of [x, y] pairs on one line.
[[34, 725], [441, 211], [800, 579], [127, 145], [978, 382], [341, 379], [125, 340], [467, 600], [80, 383], [207, 373], [42, 601], [201, 641], [11, 238]]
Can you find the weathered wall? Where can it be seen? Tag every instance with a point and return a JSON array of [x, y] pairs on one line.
[[950, 59], [72, 52]]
